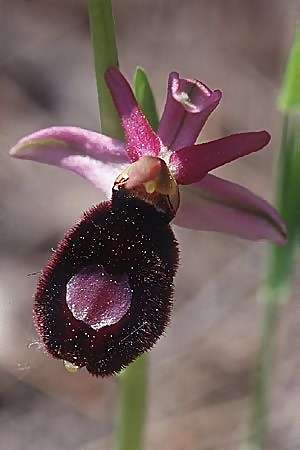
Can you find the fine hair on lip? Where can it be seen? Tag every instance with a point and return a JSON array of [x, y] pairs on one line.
[[125, 236]]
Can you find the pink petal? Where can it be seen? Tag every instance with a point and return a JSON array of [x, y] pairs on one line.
[[141, 139], [218, 205], [191, 164], [95, 157], [189, 104]]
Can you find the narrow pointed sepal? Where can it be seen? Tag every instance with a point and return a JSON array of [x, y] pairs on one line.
[[214, 204], [95, 157], [191, 164], [141, 140], [105, 296]]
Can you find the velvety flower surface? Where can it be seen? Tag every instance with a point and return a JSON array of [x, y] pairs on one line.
[[106, 294]]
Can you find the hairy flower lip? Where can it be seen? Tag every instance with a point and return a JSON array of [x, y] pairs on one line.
[[126, 235]]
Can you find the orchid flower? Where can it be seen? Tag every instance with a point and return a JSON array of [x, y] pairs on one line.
[[105, 296]]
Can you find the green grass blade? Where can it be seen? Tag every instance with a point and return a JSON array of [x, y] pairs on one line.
[[289, 98], [105, 55]]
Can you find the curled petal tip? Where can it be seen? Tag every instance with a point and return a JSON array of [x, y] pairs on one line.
[[282, 238], [265, 136], [189, 104], [112, 74], [29, 147], [113, 71], [15, 152], [218, 94], [109, 70]]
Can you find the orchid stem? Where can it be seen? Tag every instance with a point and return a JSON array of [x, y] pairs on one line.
[[103, 38], [133, 382], [258, 426]]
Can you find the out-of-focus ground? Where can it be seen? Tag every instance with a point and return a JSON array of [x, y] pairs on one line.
[[201, 370]]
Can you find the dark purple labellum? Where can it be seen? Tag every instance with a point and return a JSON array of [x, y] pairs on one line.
[[105, 296]]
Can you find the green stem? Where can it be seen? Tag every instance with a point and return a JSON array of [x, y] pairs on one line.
[[133, 384], [258, 425], [105, 55]]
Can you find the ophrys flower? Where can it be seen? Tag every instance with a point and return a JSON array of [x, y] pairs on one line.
[[106, 294]]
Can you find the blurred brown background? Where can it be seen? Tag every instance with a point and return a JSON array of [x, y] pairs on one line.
[[201, 369]]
